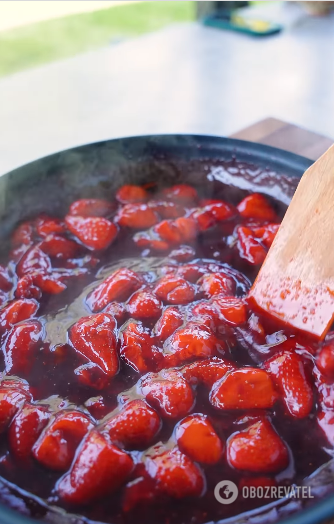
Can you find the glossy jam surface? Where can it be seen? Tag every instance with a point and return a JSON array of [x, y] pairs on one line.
[[136, 376]]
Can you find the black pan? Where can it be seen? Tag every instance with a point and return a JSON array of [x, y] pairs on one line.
[[96, 170]]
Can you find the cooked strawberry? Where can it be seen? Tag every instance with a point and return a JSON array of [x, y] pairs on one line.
[[231, 309], [59, 247], [197, 439], [136, 424], [92, 376], [6, 283], [118, 286], [23, 234], [170, 320], [170, 394], [203, 219], [175, 474], [181, 193], [174, 290], [207, 371], [216, 284], [140, 491], [21, 346], [57, 444], [96, 407], [117, 310], [288, 373], [48, 283], [257, 449], [94, 338], [11, 400], [26, 427], [220, 210], [256, 206], [168, 231], [98, 469], [33, 260], [130, 194], [136, 346], [137, 216], [325, 420], [144, 305], [195, 340], [91, 207], [17, 311], [46, 226], [149, 239], [249, 247], [25, 288], [325, 360], [182, 253], [94, 232], [266, 234], [187, 227], [246, 388]]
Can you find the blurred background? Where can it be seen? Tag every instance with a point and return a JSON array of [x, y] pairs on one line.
[[73, 72]]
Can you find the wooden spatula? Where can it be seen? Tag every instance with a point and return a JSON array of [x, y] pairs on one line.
[[296, 281]]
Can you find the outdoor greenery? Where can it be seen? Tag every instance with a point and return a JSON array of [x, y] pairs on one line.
[[43, 42]]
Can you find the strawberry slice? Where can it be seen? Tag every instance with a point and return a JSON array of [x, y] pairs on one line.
[[144, 305], [169, 393], [11, 400], [98, 469], [288, 373], [59, 247], [247, 388], [135, 425], [130, 194], [325, 361], [136, 346], [187, 227], [25, 429], [57, 444], [21, 346], [95, 233], [33, 260], [216, 284], [26, 288], [207, 371], [266, 234], [256, 206], [46, 226], [231, 310], [181, 193], [17, 311], [198, 440], [195, 340], [249, 247], [170, 320], [91, 207], [175, 474], [174, 290], [258, 449], [137, 216], [168, 231], [97, 407], [94, 338], [118, 286]]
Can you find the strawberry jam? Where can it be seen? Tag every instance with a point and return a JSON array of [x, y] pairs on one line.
[[135, 374]]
